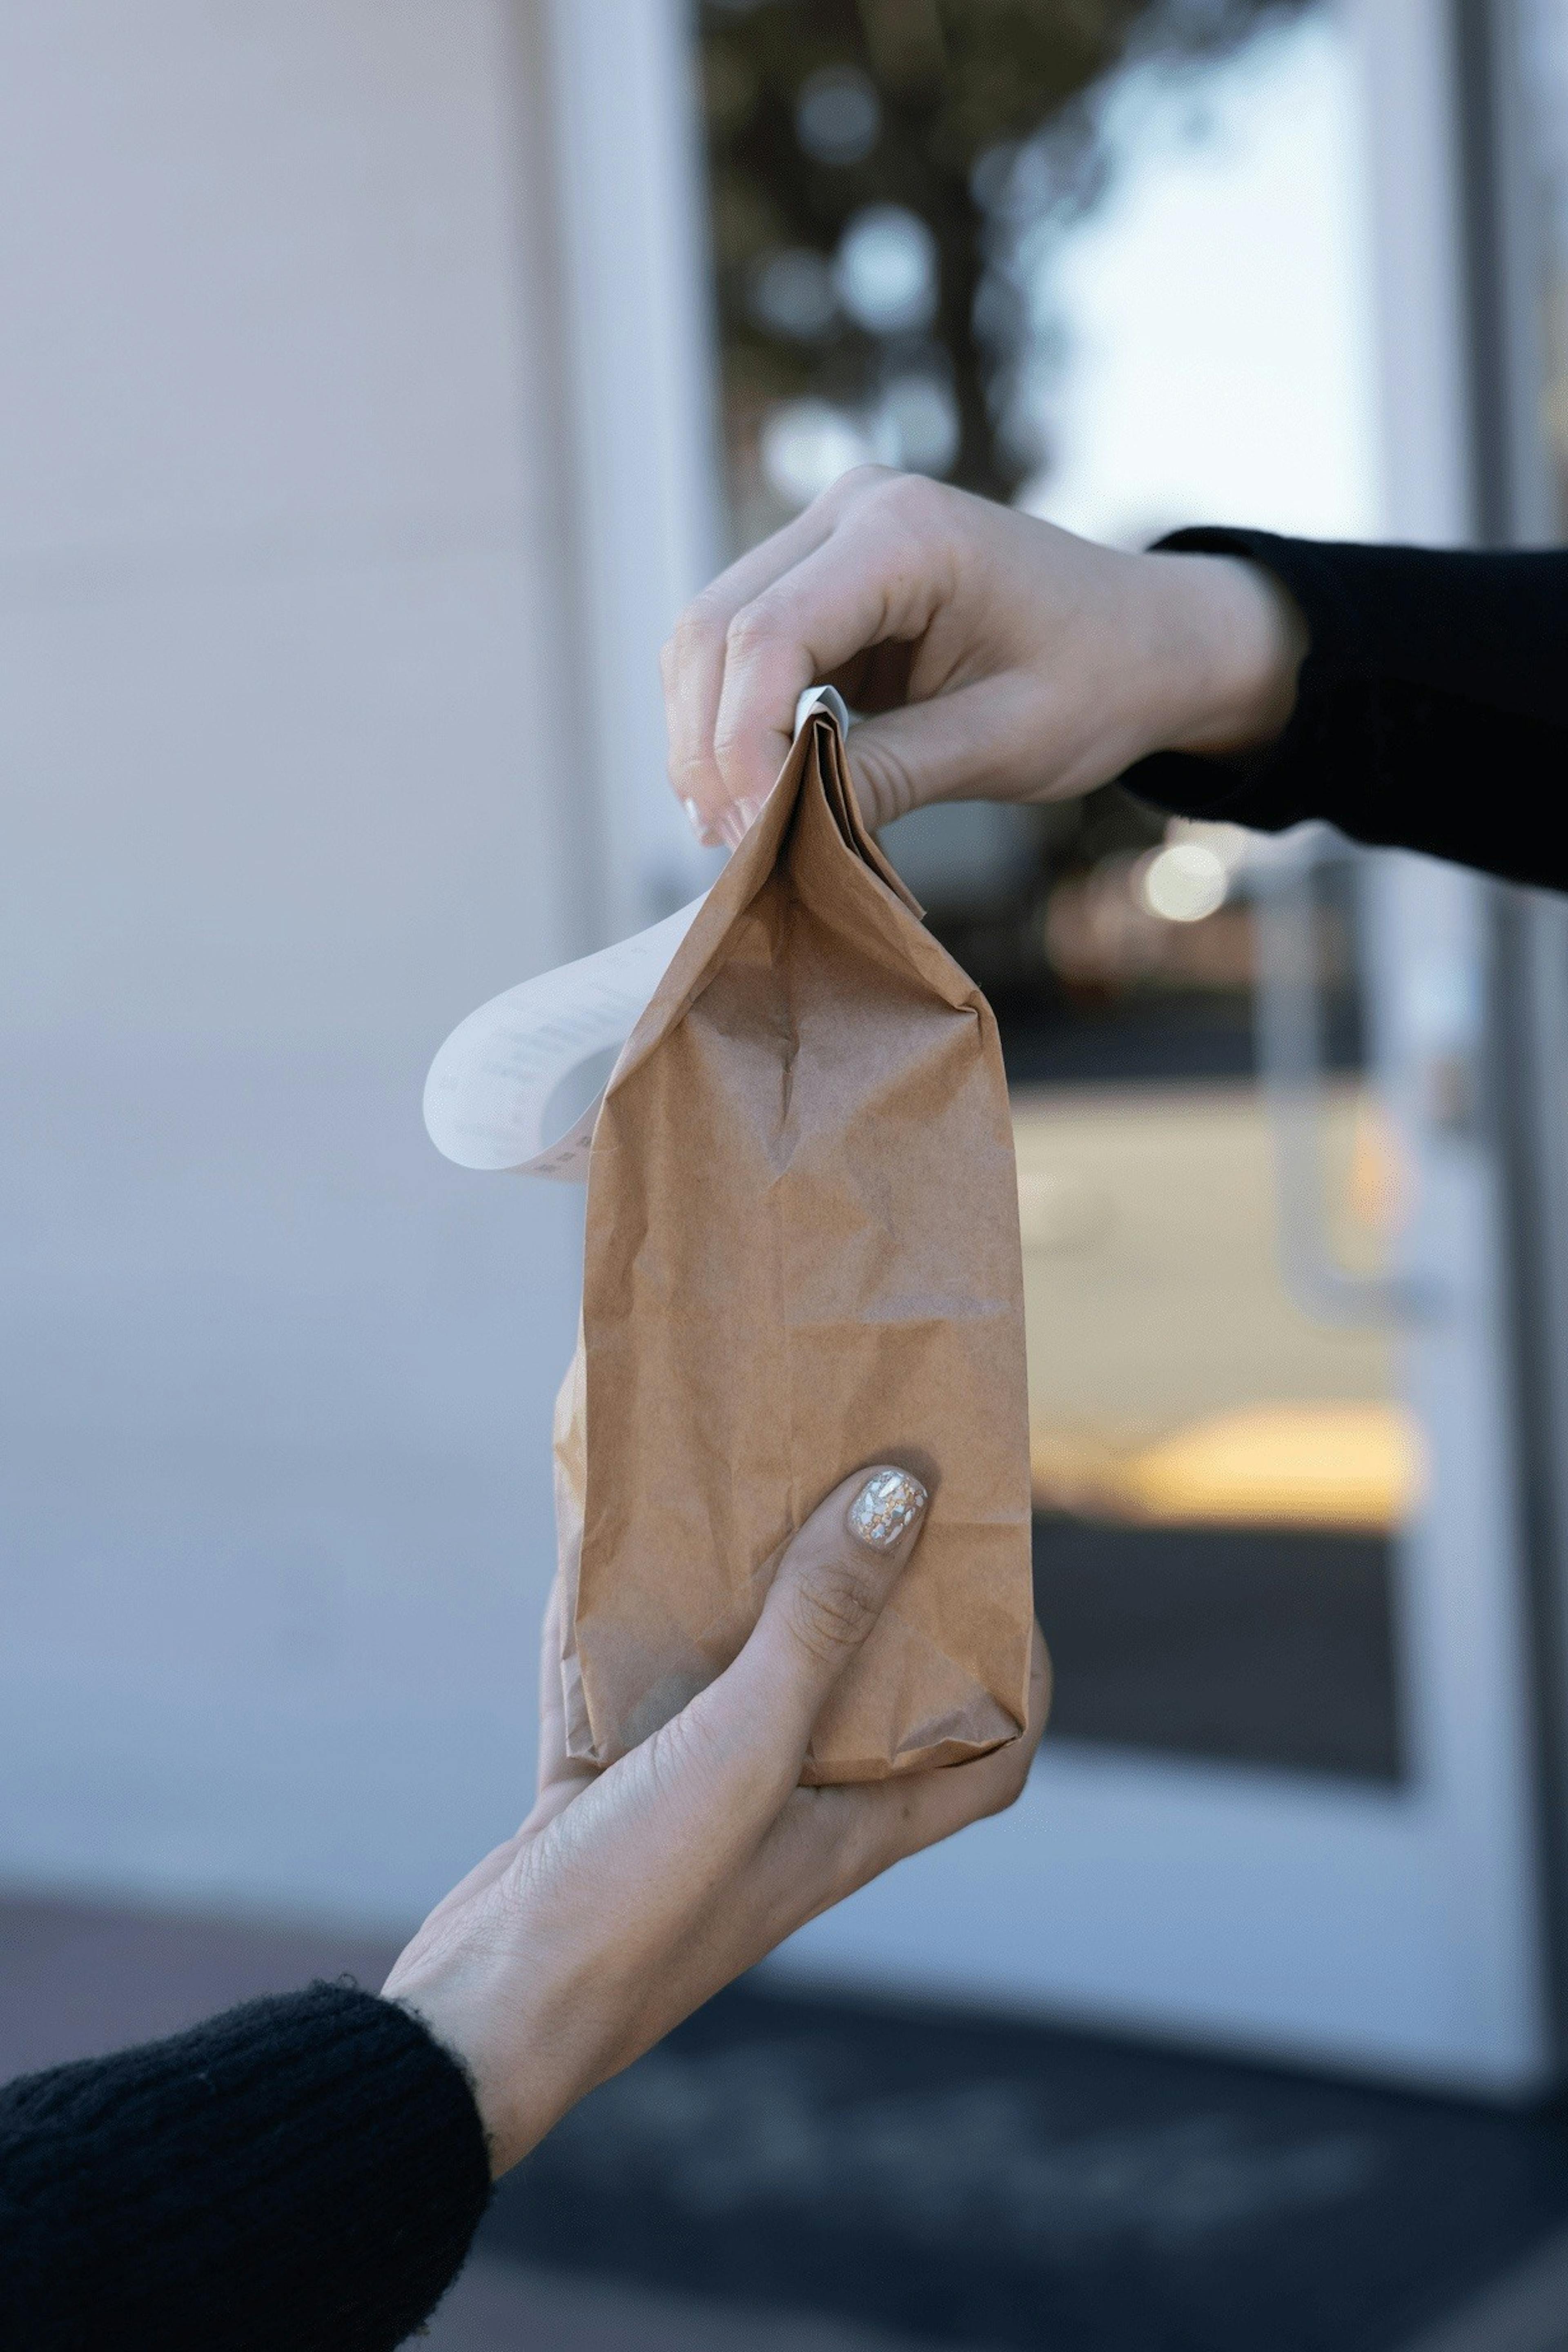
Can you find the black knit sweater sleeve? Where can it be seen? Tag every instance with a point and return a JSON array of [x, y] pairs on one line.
[[1432, 712], [302, 2172]]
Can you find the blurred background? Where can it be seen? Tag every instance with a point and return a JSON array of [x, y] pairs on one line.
[[377, 378]]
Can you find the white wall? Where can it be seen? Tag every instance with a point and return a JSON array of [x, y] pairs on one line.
[[290, 785]]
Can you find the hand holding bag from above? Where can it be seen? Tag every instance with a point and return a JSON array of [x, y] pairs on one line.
[[802, 1258]]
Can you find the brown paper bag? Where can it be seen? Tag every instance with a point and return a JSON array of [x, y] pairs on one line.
[[802, 1256]]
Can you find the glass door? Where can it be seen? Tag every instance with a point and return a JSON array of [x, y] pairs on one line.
[[1286, 1799]]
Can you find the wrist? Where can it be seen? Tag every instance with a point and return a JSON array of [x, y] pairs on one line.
[[529, 2040], [1232, 641], [511, 2124]]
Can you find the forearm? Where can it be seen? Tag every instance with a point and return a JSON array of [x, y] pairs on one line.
[[1411, 696], [306, 2171], [1431, 710]]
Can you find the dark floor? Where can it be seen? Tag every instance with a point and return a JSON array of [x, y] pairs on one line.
[[786, 2175], [975, 2182]]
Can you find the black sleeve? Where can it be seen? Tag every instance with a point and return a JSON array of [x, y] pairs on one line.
[[1432, 712], [304, 2172]]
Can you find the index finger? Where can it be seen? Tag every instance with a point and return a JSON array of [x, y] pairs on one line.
[[880, 574], [692, 663]]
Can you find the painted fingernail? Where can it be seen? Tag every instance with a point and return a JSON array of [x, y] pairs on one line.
[[886, 1508], [699, 825], [737, 820]]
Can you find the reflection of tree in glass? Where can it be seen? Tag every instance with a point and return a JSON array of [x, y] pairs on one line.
[[863, 157]]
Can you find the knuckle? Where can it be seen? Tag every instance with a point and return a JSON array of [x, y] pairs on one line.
[[690, 767], [912, 501], [750, 629], [853, 486], [832, 1610], [731, 746], [693, 634]]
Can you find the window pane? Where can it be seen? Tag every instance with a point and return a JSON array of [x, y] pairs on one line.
[[1110, 264]]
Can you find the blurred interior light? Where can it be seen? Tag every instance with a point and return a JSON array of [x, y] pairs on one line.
[[1231, 844], [917, 424], [1183, 882], [805, 445], [790, 294], [887, 271], [838, 116]]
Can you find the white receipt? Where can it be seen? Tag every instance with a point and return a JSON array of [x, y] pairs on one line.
[[490, 1086]]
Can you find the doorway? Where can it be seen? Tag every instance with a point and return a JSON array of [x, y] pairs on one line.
[[1287, 1801]]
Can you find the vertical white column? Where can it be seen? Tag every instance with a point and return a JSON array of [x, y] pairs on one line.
[[289, 788], [1408, 67], [640, 371]]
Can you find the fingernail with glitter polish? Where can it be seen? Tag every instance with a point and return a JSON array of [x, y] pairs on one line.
[[886, 1508]]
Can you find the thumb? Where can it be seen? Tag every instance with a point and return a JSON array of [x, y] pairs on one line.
[[985, 742], [827, 1592]]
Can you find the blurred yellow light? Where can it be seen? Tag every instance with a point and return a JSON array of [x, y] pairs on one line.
[[1334, 1466]]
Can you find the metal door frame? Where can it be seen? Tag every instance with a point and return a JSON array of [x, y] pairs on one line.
[[1511, 502]]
